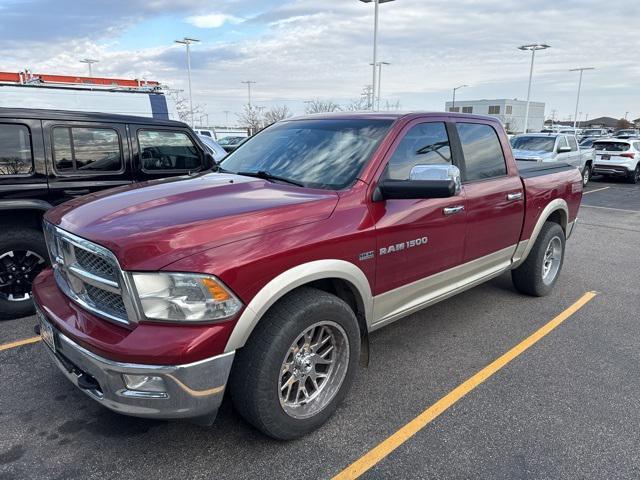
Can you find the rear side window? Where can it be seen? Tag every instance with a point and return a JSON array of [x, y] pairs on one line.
[[573, 143], [15, 150], [166, 150], [611, 146], [483, 154], [424, 144], [86, 149]]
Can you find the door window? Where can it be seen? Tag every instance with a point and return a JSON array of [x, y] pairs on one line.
[[562, 142], [15, 150], [86, 150], [162, 150], [424, 144], [573, 143], [482, 151]]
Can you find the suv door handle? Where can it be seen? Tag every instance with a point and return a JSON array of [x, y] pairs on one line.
[[453, 210], [514, 196], [77, 192]]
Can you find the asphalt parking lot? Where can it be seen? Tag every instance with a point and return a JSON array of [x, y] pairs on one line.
[[567, 407]]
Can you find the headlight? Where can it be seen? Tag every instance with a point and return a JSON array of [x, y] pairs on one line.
[[184, 297]]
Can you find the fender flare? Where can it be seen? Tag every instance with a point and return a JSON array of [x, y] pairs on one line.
[[525, 246], [288, 281]]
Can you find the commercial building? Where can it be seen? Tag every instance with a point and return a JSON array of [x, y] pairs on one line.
[[510, 112]]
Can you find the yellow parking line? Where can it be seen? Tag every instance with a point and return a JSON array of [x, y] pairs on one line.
[[19, 343], [378, 453]]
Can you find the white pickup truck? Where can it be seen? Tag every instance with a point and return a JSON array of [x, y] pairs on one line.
[[554, 147]]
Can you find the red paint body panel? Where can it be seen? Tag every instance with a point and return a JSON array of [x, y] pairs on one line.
[[247, 231], [150, 343]]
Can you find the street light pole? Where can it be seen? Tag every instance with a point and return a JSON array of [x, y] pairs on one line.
[[575, 118], [453, 105], [375, 46], [187, 42], [532, 48], [249, 83], [89, 62]]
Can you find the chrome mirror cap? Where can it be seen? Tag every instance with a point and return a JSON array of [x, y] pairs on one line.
[[437, 172]]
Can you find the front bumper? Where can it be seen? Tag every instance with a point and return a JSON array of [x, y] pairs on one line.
[[192, 391]]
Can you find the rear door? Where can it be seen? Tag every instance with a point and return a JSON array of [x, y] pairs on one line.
[[575, 157], [85, 157], [494, 195], [161, 152]]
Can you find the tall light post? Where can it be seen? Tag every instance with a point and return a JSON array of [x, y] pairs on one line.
[[89, 62], [378, 94], [533, 48], [581, 70], [249, 83], [187, 42], [453, 104], [375, 45]]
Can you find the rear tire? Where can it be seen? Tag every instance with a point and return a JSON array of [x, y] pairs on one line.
[[23, 254], [286, 381], [540, 271], [586, 174], [634, 177]]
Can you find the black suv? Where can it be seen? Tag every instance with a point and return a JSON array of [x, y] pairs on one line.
[[48, 157]]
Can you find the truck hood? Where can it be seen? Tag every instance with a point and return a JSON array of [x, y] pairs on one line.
[[533, 155], [153, 224]]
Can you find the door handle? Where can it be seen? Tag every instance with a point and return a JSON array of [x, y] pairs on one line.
[[512, 197], [77, 192], [453, 210]]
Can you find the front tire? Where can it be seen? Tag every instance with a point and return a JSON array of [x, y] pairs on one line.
[[298, 364], [23, 254], [539, 272]]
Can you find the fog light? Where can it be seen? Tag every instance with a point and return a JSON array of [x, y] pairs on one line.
[[144, 383]]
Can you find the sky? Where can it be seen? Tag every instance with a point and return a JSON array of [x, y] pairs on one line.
[[297, 50]]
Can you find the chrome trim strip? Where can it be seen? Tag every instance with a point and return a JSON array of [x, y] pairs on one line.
[[94, 280], [402, 301]]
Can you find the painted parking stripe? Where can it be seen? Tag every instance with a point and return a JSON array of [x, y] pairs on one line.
[[596, 190], [610, 208], [383, 449], [19, 343]]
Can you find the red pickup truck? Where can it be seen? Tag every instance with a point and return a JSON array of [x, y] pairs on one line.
[[267, 276]]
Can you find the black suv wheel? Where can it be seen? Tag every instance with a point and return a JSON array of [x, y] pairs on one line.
[[23, 254]]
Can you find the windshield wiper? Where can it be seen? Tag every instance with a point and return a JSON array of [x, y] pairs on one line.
[[268, 176]]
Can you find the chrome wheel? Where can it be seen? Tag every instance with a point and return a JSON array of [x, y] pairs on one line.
[[552, 260], [313, 369], [18, 269], [586, 175]]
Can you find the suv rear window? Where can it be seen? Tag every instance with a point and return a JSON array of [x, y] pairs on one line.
[[611, 146], [15, 150], [86, 149]]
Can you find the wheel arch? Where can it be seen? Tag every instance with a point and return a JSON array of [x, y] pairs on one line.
[[26, 213], [339, 277], [556, 211]]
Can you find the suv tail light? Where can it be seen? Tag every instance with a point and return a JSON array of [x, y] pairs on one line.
[[628, 155]]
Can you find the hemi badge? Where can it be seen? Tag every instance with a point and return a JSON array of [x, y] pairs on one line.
[[366, 256]]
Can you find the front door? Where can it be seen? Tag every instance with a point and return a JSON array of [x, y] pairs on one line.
[[416, 239]]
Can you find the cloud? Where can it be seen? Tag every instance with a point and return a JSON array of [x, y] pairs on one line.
[[212, 20]]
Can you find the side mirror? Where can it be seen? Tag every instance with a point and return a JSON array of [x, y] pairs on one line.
[[425, 181], [564, 149]]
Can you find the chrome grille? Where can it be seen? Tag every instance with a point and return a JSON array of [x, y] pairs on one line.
[[96, 264], [89, 274]]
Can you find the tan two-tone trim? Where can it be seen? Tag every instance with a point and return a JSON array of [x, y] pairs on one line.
[[294, 278], [400, 302]]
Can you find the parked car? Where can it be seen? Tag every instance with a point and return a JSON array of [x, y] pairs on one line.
[[544, 147], [594, 133], [628, 133], [269, 275], [48, 157], [213, 148], [618, 157], [231, 143]]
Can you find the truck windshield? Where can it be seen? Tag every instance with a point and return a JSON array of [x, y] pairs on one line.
[[534, 144], [315, 153]]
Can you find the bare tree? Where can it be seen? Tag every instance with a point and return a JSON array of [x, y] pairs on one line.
[[251, 117], [182, 106], [359, 105], [623, 123], [275, 114], [321, 106]]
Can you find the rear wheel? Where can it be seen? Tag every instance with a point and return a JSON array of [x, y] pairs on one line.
[[23, 254], [298, 364], [539, 272], [586, 174], [634, 176]]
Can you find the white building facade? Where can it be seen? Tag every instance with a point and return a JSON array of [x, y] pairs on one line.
[[510, 112]]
